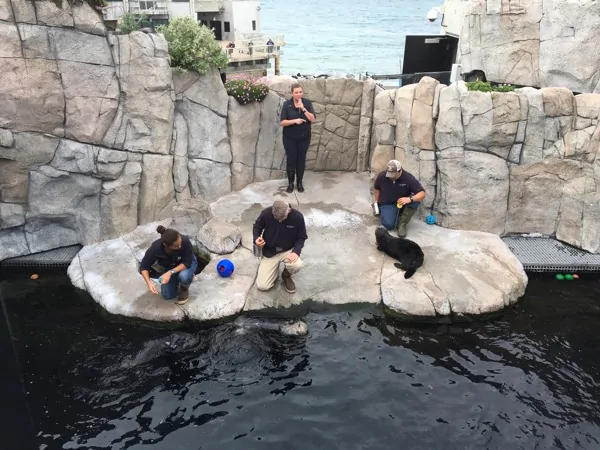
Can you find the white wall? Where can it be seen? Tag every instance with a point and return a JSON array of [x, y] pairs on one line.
[[179, 9], [454, 15], [244, 12]]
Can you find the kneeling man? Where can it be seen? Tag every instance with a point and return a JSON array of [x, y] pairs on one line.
[[280, 232], [394, 187]]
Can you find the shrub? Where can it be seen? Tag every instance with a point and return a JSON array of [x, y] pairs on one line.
[[246, 90], [486, 86], [129, 23], [193, 46]]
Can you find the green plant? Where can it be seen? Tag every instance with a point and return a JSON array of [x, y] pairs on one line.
[[246, 90], [193, 46], [129, 23], [486, 86]]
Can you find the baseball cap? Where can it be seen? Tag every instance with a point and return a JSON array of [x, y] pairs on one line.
[[393, 167]]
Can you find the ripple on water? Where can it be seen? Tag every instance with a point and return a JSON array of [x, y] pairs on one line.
[[529, 379]]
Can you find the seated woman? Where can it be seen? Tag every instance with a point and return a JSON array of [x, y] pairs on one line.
[[172, 259]]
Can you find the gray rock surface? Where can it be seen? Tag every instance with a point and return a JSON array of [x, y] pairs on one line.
[[539, 43], [219, 236], [341, 262]]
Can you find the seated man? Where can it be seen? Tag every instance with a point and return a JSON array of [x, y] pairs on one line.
[[397, 187], [280, 232]]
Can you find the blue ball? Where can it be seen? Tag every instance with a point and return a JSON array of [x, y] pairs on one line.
[[225, 268], [430, 219]]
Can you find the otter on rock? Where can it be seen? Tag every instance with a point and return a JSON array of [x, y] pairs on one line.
[[408, 253]]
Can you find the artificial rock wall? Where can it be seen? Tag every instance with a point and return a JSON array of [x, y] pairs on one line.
[[99, 135], [520, 162], [539, 43]]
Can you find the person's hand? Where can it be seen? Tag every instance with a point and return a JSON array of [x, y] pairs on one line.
[[300, 104], [165, 277], [404, 200], [292, 257], [260, 242], [152, 288], [299, 121]]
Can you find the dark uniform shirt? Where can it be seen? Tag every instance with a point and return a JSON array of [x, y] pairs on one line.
[[391, 190], [280, 236], [290, 112], [157, 261]]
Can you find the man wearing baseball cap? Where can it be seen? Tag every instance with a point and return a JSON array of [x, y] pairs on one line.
[[398, 194]]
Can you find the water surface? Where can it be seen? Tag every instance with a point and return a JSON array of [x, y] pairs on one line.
[[339, 37], [528, 379]]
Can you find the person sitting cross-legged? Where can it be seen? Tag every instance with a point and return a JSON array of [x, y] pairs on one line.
[[393, 187], [280, 231]]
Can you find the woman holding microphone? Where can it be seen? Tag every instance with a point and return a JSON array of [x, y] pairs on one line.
[[297, 115]]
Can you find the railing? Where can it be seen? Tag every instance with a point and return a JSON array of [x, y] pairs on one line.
[[259, 39], [254, 52], [411, 78], [114, 11], [148, 7], [208, 5]]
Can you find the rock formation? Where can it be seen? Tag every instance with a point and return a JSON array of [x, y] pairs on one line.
[[539, 43], [98, 136], [465, 273], [516, 162]]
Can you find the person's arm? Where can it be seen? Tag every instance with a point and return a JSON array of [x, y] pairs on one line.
[[309, 112], [417, 193], [187, 257], [301, 236], [258, 227], [145, 266], [285, 120], [377, 188]]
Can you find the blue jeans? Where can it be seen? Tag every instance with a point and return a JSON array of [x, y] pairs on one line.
[[185, 278], [390, 214]]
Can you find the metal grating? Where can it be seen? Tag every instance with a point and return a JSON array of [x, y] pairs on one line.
[[538, 254], [59, 257]]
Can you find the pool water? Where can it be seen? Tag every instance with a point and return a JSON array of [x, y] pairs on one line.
[[528, 379]]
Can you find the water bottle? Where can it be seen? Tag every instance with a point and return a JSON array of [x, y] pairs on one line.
[[258, 251], [375, 207]]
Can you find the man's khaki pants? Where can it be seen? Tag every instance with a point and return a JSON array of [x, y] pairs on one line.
[[268, 269]]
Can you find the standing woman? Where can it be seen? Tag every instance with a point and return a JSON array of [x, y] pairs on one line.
[[297, 115], [172, 259]]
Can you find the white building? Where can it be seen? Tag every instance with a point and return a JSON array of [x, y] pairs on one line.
[[232, 21]]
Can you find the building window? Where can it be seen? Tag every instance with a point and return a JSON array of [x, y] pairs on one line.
[[226, 28], [204, 22], [254, 25], [147, 4], [182, 1]]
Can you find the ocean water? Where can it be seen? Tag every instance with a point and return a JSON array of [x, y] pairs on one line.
[[339, 37]]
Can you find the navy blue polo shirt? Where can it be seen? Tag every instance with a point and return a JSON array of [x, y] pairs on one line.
[[391, 190], [290, 112]]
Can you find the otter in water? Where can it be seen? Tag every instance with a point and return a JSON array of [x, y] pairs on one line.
[[287, 327]]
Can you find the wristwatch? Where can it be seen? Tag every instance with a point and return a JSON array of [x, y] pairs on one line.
[[304, 110], [172, 272], [411, 199]]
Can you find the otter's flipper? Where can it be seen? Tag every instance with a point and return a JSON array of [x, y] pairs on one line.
[[409, 271]]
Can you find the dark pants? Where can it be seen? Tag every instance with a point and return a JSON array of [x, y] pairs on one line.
[[295, 151], [184, 278], [390, 214]]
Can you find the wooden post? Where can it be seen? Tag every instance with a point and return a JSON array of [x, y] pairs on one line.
[[277, 59]]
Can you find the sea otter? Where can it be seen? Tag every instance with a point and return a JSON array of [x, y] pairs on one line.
[[408, 253]]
